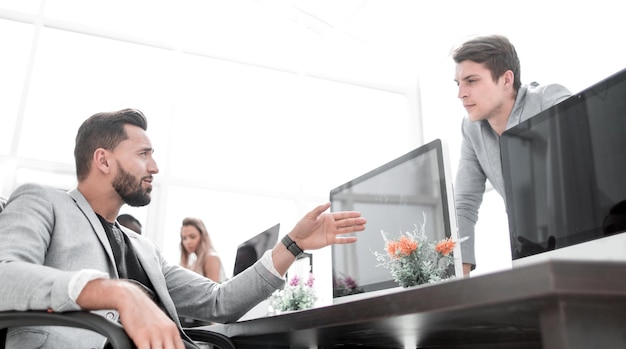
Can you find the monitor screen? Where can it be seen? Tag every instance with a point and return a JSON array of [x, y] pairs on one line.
[[564, 171], [396, 197], [251, 250]]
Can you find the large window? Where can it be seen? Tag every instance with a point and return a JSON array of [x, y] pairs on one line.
[[15, 60], [241, 144]]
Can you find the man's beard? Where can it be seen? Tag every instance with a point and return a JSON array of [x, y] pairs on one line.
[[130, 190]]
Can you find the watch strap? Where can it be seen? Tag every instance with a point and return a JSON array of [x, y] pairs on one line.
[[292, 246]]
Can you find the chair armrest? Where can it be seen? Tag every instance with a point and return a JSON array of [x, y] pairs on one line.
[[216, 339], [113, 331]]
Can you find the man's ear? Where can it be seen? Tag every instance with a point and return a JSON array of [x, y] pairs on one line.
[[509, 78], [101, 160]]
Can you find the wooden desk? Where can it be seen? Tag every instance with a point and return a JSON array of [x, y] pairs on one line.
[[555, 304]]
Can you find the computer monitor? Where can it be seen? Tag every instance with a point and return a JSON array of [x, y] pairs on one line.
[[396, 197], [252, 249], [564, 173]]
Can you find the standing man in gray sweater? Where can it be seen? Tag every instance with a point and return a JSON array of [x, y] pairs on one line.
[[488, 77]]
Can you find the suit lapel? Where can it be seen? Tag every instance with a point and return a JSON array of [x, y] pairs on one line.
[[152, 267], [86, 209], [148, 259]]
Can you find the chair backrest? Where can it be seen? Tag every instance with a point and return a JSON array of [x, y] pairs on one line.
[[113, 331], [3, 201]]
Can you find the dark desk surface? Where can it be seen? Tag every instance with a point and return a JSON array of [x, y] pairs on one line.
[[556, 304]]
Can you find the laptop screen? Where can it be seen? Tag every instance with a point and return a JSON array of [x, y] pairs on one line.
[[252, 249]]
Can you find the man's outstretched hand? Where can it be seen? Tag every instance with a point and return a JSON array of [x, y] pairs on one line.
[[319, 229]]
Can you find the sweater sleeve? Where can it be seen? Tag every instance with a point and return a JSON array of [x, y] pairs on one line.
[[469, 189]]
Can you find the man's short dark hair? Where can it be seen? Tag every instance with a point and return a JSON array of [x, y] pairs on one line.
[[494, 51], [103, 130]]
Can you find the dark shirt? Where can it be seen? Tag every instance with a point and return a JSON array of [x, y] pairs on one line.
[[126, 261], [129, 267]]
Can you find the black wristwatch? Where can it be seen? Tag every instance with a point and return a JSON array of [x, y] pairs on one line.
[[292, 246]]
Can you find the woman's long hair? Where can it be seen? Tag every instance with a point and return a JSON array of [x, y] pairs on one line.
[[202, 250]]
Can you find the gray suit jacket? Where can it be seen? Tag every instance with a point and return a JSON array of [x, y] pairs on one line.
[[47, 235]]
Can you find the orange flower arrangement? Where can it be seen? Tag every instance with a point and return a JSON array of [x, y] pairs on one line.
[[413, 260], [403, 247], [407, 246], [445, 247]]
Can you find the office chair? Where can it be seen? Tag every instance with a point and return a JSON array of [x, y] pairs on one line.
[[113, 331]]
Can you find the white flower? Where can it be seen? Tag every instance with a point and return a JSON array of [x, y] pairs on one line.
[[295, 296]]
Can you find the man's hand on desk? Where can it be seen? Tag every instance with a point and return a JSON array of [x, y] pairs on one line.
[[530, 248], [466, 269]]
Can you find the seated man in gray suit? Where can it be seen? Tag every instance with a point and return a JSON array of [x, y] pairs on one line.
[[64, 251]]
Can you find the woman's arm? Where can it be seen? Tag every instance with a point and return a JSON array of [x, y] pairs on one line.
[[212, 265]]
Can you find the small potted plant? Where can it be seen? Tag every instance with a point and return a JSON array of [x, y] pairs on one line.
[[414, 260], [296, 295]]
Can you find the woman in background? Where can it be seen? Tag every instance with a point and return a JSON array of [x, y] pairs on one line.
[[197, 252]]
